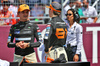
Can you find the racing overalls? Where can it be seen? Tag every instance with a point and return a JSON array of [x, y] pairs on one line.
[[55, 37], [27, 32]]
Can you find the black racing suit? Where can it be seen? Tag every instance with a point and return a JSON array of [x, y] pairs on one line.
[[27, 32], [55, 34]]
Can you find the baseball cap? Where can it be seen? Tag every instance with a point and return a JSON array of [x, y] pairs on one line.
[[23, 7], [55, 6]]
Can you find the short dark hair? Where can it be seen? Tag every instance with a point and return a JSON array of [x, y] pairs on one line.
[[6, 3]]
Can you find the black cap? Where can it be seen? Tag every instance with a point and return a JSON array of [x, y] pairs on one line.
[[55, 5], [6, 3]]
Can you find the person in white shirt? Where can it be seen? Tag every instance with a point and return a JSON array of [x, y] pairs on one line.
[[88, 12], [71, 5], [14, 9], [74, 36]]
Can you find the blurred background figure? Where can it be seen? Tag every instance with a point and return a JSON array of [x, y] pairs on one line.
[[37, 11], [59, 1], [68, 6], [5, 13], [43, 11], [78, 9], [14, 9], [89, 11], [71, 5], [45, 2], [32, 2]]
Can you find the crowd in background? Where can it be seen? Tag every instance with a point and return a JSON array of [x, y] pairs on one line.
[[37, 8], [84, 9]]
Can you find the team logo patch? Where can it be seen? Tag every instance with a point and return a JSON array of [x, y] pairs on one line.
[[48, 25], [40, 40], [38, 30], [48, 28], [17, 32], [46, 34], [9, 37], [39, 33]]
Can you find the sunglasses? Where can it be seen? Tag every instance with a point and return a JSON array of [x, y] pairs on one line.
[[68, 14]]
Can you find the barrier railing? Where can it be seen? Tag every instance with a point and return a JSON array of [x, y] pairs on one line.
[[42, 21]]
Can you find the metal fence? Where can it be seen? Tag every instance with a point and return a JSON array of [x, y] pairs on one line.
[[39, 13]]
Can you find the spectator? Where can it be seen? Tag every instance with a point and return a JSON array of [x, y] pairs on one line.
[[37, 11], [92, 1], [66, 8], [22, 1], [46, 2], [13, 9], [71, 5], [12, 1], [78, 9], [6, 14], [19, 1], [32, 2], [88, 12]]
